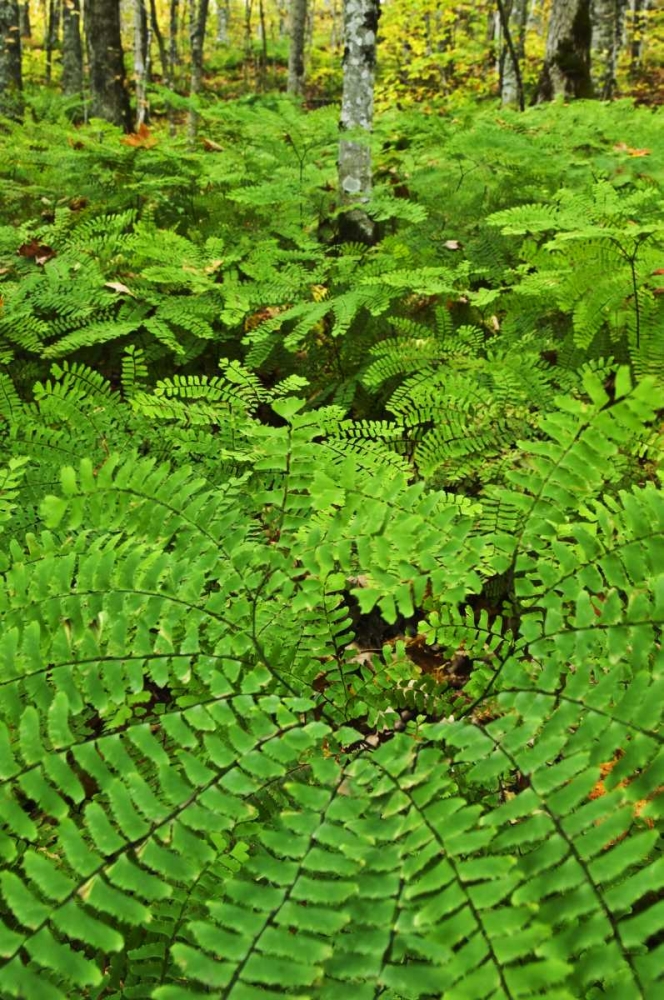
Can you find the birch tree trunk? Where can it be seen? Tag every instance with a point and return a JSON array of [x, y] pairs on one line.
[[639, 17], [72, 49], [109, 97], [514, 14], [198, 19], [608, 24], [141, 60], [566, 71], [11, 81], [298, 22], [357, 106], [223, 15]]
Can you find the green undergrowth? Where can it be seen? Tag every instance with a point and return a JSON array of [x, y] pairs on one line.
[[332, 580]]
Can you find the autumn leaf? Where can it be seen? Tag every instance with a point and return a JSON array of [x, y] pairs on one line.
[[34, 250], [622, 147], [212, 146], [141, 139]]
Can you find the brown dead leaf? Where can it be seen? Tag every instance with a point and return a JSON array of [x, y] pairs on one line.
[[212, 146], [622, 147], [34, 250]]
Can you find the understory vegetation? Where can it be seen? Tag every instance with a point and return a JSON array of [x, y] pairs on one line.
[[332, 574]]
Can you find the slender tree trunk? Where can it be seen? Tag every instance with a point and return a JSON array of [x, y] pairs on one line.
[[513, 15], [198, 19], [223, 17], [159, 37], [173, 55], [566, 70], [248, 43], [141, 61], [109, 97], [298, 20], [262, 66], [24, 19], [608, 24], [357, 105], [52, 32], [11, 81], [639, 19], [72, 49]]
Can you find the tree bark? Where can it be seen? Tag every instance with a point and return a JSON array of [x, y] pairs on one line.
[[223, 17], [109, 97], [357, 105], [24, 19], [639, 19], [141, 61], [198, 19], [52, 32], [11, 81], [566, 71], [159, 38], [72, 50], [608, 24], [298, 21], [512, 15]]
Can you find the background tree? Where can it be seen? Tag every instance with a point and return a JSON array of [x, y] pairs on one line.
[[198, 11], [513, 15], [72, 49], [24, 19], [608, 32], [109, 98], [298, 22], [52, 34], [141, 60], [566, 70], [357, 108], [11, 83]]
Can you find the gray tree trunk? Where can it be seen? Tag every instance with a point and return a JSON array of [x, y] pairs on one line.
[[608, 30], [141, 61], [109, 97], [198, 19], [512, 51], [357, 106], [24, 19], [298, 23], [639, 19], [52, 32], [566, 71], [11, 82], [223, 17], [72, 49]]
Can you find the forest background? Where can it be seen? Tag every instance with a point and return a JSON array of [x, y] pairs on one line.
[[331, 523]]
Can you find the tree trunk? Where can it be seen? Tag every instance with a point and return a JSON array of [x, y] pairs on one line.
[[608, 23], [513, 15], [11, 82], [639, 19], [262, 65], [357, 102], [24, 19], [223, 16], [198, 17], [159, 37], [72, 50], [109, 97], [141, 61], [52, 32], [298, 21], [173, 56], [566, 71]]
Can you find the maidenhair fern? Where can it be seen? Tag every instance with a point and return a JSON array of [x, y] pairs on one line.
[[208, 790]]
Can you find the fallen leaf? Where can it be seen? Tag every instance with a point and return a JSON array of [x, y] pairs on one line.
[[212, 146], [141, 139], [452, 245], [34, 250], [117, 286]]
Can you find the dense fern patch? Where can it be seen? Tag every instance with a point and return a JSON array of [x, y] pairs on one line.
[[332, 586]]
